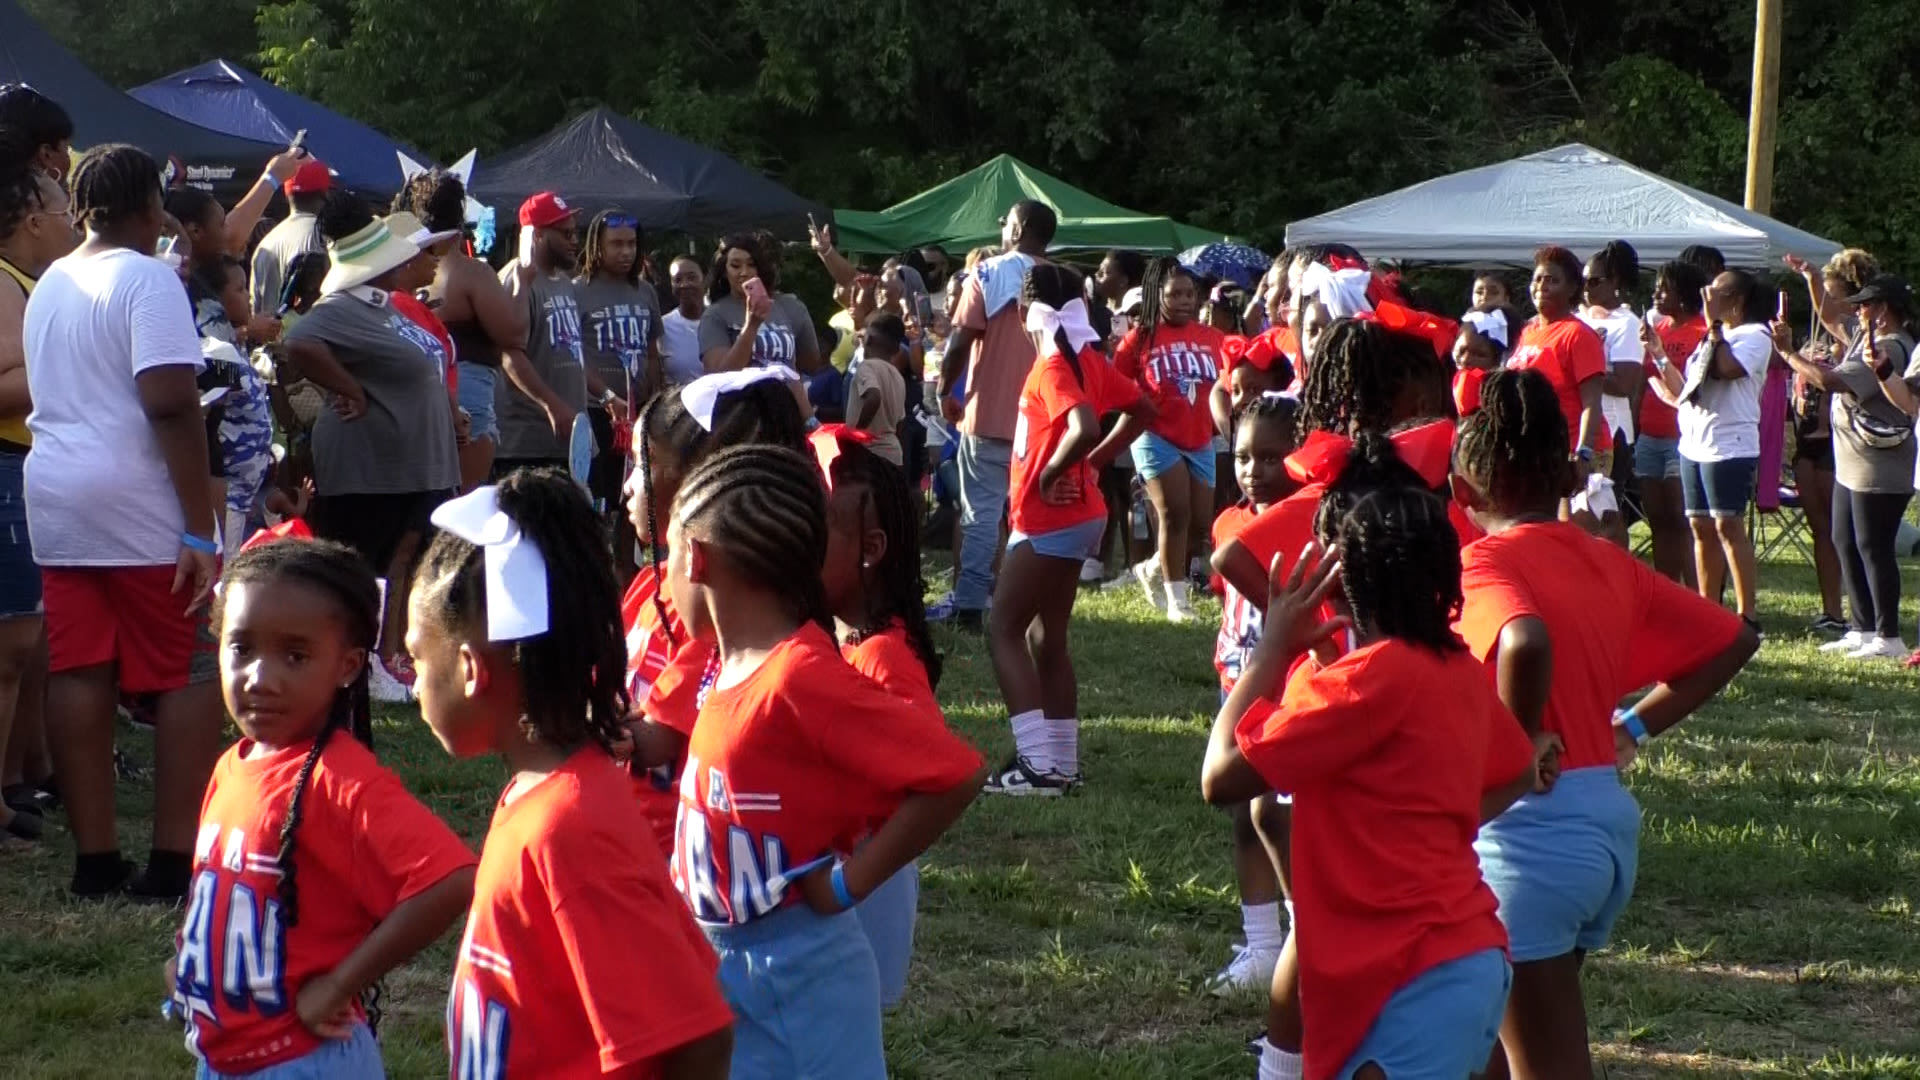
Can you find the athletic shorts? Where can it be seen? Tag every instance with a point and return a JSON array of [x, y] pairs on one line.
[[805, 995], [129, 616], [1153, 455], [475, 395], [19, 576], [1718, 489], [887, 916], [1442, 1025], [375, 525], [356, 1057], [1563, 864], [1077, 542], [1655, 458], [1817, 452]]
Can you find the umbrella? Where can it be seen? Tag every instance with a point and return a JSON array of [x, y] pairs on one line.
[[1237, 263]]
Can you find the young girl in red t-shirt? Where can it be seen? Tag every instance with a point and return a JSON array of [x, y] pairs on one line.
[[514, 626], [295, 811], [1055, 516]]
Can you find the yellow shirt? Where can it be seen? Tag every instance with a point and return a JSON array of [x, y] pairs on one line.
[[15, 430]]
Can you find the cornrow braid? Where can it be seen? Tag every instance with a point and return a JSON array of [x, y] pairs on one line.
[[1400, 567], [112, 184], [765, 508], [1621, 263], [1360, 375], [1514, 449], [1271, 407], [574, 674], [901, 592]]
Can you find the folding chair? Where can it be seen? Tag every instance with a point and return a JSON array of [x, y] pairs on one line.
[[1788, 527]]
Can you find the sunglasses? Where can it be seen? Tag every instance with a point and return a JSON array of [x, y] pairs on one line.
[[622, 221]]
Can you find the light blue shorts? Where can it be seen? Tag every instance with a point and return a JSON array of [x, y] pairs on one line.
[[1442, 1025], [1076, 542], [887, 916], [357, 1057], [1656, 458], [805, 995], [1153, 455], [475, 392], [1563, 863]]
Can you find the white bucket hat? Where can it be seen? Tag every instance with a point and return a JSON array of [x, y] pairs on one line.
[[404, 223], [362, 256]]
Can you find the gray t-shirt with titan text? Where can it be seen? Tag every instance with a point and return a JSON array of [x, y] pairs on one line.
[[1862, 410], [618, 321], [786, 335], [405, 441], [554, 350]]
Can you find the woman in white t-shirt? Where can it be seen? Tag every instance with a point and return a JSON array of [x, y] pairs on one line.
[[1719, 411], [680, 328], [1610, 277]]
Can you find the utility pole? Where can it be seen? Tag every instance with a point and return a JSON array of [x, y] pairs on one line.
[[1764, 116]]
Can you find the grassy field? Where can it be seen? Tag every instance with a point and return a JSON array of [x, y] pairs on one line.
[[1774, 931]]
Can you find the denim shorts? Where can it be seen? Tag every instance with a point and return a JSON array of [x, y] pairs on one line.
[[1153, 455], [1076, 542], [1442, 1025], [19, 577], [357, 1057], [1718, 489], [887, 916], [1655, 458], [475, 392], [805, 995], [1563, 864]]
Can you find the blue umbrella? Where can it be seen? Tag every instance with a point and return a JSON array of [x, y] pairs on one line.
[[1237, 263]]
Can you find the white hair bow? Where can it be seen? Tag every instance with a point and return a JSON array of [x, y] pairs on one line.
[[702, 394], [1343, 291], [1490, 324], [1044, 320], [516, 572]]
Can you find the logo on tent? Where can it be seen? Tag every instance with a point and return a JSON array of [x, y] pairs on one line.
[[172, 172]]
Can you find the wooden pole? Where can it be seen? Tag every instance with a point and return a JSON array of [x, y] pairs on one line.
[[1764, 116]]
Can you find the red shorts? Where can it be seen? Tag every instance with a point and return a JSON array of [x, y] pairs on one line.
[[130, 616]]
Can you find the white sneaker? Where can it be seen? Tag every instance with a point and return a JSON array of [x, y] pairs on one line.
[[1250, 969], [383, 687], [1847, 642], [1148, 575], [1092, 571], [1180, 611], [1880, 648]]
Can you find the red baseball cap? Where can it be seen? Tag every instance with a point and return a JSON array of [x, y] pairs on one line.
[[545, 210], [312, 178]]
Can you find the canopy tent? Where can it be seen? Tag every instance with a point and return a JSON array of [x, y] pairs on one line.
[[101, 114], [226, 97], [602, 160], [965, 212], [1571, 195]]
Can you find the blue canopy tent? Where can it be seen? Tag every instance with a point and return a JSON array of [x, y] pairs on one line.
[[226, 97]]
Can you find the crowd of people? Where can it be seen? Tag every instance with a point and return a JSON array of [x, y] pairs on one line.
[[651, 538]]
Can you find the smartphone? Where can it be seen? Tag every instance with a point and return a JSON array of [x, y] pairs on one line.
[[756, 290], [299, 142]]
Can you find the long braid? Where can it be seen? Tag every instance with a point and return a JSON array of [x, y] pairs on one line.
[[1400, 567], [901, 590], [1360, 375], [113, 183], [1514, 448], [764, 507]]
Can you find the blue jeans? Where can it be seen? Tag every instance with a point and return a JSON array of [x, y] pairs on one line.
[[19, 576], [1718, 489], [357, 1057], [984, 464]]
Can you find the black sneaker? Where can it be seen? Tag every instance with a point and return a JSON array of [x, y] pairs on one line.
[[1830, 626], [1018, 777]]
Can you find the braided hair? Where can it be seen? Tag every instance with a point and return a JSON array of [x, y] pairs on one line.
[[591, 253], [1361, 377], [1272, 406], [19, 180], [1400, 566], [574, 674], [1514, 448], [437, 198], [1621, 263], [112, 184], [1160, 273], [1057, 285], [901, 592], [765, 508]]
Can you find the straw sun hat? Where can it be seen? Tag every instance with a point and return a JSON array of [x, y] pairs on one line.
[[386, 244]]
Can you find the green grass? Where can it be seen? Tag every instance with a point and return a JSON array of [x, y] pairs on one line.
[[1774, 932]]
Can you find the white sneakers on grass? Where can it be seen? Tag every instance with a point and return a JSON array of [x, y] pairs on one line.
[[1846, 642], [1250, 969], [1880, 648]]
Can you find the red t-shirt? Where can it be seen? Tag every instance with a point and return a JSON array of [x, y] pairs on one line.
[[1239, 617], [1177, 369], [1386, 752], [1051, 393], [650, 650], [578, 958], [1616, 625], [364, 846], [1568, 353], [889, 659], [792, 765], [1677, 340], [1285, 528], [1467, 384]]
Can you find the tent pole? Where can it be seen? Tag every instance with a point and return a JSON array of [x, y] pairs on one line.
[[1765, 112]]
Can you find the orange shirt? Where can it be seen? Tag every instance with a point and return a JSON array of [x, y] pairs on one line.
[[1285, 528], [1467, 384], [364, 846], [1177, 369], [792, 765], [572, 901], [1386, 752], [889, 659], [1616, 625], [1239, 617], [650, 649], [999, 364], [1568, 353], [1677, 340], [1052, 391]]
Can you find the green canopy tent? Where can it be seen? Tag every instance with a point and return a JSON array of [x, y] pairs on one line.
[[965, 212]]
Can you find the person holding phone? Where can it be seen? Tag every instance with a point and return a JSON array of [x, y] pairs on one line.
[[748, 323]]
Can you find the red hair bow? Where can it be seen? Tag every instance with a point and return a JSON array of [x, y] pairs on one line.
[[1343, 262], [290, 529], [1427, 449], [827, 441]]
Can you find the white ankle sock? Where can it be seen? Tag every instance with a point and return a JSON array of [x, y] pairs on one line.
[[1030, 740], [1278, 1064], [1177, 592], [1261, 924], [1063, 743]]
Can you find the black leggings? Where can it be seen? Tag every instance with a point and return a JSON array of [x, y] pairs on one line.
[[1865, 525]]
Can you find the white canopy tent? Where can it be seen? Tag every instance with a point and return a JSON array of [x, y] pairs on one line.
[[1572, 195]]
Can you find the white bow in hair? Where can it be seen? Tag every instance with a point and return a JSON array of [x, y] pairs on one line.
[[516, 572], [1044, 320], [702, 394], [1490, 324], [1343, 291]]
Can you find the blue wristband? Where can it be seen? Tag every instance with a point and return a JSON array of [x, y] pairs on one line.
[[1636, 727], [204, 547], [838, 879]]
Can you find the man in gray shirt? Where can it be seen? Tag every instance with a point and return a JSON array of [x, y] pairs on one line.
[[297, 235], [546, 387]]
